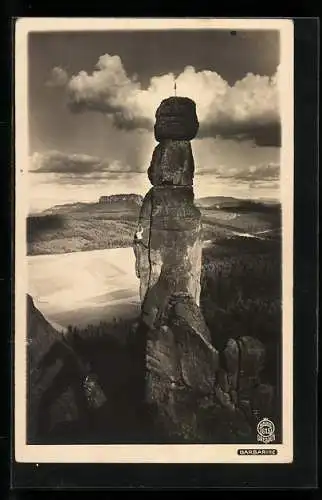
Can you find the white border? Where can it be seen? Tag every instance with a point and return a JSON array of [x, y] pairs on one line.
[[150, 453]]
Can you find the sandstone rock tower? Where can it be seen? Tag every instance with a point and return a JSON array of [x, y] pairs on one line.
[[169, 218], [183, 378], [180, 359]]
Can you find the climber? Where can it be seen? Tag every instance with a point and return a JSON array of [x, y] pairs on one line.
[[137, 246], [139, 234]]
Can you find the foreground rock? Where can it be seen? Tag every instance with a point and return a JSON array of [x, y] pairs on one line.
[[194, 393], [84, 387], [45, 360]]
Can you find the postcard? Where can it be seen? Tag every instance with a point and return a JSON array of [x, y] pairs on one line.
[[154, 240]]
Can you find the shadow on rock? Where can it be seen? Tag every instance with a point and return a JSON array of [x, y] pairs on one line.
[[96, 396]]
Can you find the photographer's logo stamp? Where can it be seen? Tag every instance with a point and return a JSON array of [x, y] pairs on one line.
[[265, 431]]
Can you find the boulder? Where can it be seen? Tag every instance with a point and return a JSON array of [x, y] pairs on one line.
[[176, 106], [176, 119]]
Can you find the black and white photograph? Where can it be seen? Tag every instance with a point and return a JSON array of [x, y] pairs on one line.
[[154, 255]]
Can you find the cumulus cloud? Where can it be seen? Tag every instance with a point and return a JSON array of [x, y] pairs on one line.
[[249, 109], [58, 78], [76, 165]]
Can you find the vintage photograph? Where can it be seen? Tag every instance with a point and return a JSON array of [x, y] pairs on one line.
[[154, 164]]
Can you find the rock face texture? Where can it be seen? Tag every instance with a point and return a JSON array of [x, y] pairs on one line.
[[170, 239], [172, 163], [176, 119], [43, 342]]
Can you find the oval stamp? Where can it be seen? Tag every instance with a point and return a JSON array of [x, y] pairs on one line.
[[265, 431]]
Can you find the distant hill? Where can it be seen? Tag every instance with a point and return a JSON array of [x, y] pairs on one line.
[[113, 203], [132, 202], [111, 222], [84, 226], [122, 198], [221, 201]]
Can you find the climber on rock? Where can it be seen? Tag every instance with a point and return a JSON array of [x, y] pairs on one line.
[[139, 247], [139, 234]]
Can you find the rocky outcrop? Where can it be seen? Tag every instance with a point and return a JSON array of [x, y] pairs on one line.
[[56, 392], [192, 389], [41, 340], [180, 360], [40, 334], [135, 199]]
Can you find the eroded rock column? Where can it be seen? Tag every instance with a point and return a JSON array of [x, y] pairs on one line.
[[180, 360], [169, 219]]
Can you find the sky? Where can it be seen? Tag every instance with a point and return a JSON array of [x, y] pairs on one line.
[[93, 97]]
